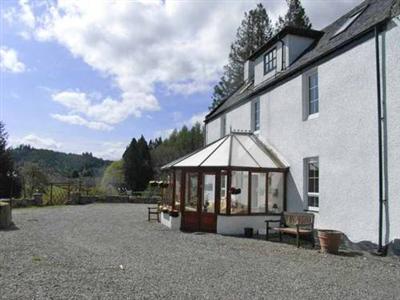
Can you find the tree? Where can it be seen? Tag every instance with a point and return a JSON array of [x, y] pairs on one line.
[[113, 179], [34, 179], [137, 165], [295, 16], [253, 32], [9, 178], [179, 143]]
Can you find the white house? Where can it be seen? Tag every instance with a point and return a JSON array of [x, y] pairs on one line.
[[315, 127]]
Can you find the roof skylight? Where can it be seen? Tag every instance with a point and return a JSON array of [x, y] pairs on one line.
[[350, 20]]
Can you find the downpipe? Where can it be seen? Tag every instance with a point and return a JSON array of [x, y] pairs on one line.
[[380, 150]]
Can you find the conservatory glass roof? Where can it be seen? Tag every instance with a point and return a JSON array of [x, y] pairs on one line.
[[233, 150]]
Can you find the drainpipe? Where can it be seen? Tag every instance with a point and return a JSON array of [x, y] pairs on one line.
[[380, 119]]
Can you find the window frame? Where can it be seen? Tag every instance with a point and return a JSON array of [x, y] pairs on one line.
[[307, 162], [255, 115], [271, 64], [307, 101], [223, 126]]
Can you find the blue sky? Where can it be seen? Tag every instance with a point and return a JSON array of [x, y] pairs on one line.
[[77, 77]]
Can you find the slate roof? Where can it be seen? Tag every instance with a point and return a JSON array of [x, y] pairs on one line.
[[376, 12]]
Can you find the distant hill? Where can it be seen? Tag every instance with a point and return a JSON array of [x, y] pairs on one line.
[[59, 165]]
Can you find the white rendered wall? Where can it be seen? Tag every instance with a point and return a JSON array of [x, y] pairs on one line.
[[213, 130], [239, 119], [344, 137], [391, 75], [234, 225]]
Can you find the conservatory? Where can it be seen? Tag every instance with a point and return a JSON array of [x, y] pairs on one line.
[[230, 184]]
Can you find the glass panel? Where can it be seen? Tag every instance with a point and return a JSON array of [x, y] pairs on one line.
[[313, 201], [191, 192], [258, 192], [275, 192], [313, 93], [208, 205], [178, 175], [223, 201], [239, 192]]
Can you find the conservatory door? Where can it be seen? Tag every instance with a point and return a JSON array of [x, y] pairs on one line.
[[199, 212], [208, 216], [190, 214]]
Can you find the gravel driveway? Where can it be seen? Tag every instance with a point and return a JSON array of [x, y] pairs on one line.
[[76, 252]]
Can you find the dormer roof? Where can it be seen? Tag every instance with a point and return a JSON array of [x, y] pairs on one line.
[[303, 32]]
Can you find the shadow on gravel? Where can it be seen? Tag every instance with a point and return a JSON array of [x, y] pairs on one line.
[[11, 228]]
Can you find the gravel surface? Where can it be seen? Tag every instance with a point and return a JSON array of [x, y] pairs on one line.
[[110, 251]]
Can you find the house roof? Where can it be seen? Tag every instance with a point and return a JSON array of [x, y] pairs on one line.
[[233, 150], [375, 12]]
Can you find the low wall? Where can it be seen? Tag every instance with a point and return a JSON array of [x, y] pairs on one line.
[[173, 223], [234, 225], [82, 199]]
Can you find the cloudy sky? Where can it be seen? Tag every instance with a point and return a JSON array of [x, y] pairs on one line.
[[78, 76]]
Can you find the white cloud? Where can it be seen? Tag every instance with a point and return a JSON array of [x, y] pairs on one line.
[[78, 120], [9, 61], [36, 142], [26, 15], [197, 118], [176, 44]]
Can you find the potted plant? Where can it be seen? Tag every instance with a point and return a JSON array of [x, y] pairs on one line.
[[329, 240]]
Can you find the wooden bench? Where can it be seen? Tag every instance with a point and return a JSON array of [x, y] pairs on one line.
[[298, 224], [153, 210]]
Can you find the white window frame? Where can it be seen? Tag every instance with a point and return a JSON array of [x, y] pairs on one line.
[[254, 115], [223, 126], [307, 95], [307, 194]]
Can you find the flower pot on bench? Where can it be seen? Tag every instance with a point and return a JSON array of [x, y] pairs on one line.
[[329, 240]]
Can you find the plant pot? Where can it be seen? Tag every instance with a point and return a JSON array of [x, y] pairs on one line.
[[329, 240], [248, 232]]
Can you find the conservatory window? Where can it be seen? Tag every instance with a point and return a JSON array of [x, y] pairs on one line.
[[258, 181], [275, 192], [208, 201], [223, 191], [177, 198], [239, 192], [191, 192]]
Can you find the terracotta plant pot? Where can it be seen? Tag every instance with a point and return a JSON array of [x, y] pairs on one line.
[[329, 240]]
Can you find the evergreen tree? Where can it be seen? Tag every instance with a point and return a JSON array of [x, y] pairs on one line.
[[137, 165], [146, 168], [253, 32], [9, 179], [295, 16]]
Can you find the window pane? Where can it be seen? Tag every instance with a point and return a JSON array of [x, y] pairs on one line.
[[178, 189], [208, 204], [258, 192], [313, 182], [223, 202], [313, 93], [191, 192], [313, 201], [275, 192], [239, 192]]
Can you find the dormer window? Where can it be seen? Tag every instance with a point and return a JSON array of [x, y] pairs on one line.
[[270, 61]]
